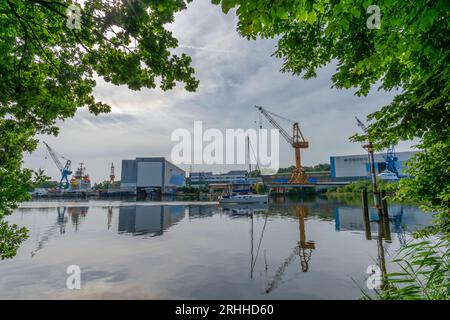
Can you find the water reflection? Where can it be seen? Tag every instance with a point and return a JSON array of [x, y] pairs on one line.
[[303, 250], [244, 210], [77, 214], [377, 226], [148, 220], [60, 225], [291, 248], [202, 211]]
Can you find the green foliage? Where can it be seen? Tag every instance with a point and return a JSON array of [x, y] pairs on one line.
[[358, 186], [48, 185], [260, 188], [48, 71], [318, 167], [105, 185], [286, 170], [255, 174], [424, 275], [11, 236], [192, 189]]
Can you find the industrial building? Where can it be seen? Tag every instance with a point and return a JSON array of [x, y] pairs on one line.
[[233, 180], [154, 174], [206, 178], [354, 167]]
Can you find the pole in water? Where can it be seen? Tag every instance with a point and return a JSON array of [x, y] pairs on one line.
[[366, 214]]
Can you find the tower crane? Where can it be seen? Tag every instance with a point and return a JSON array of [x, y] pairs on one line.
[[64, 170], [297, 141]]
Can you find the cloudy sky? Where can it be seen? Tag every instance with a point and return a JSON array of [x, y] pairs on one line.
[[235, 74]]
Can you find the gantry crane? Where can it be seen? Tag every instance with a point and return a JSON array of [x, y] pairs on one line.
[[297, 141], [64, 170]]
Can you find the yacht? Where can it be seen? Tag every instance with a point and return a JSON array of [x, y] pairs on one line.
[[387, 175], [244, 198]]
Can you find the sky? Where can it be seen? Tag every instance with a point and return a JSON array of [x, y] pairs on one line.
[[235, 74]]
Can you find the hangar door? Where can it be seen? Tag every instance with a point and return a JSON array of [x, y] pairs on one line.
[[149, 174]]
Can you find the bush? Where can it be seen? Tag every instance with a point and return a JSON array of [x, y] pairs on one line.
[[260, 188]]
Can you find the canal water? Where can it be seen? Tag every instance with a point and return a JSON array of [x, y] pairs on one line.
[[315, 248]]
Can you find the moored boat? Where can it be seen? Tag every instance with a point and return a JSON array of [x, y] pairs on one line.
[[244, 198]]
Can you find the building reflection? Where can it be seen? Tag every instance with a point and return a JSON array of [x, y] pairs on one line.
[[76, 215], [401, 218], [201, 211], [149, 220], [379, 225], [109, 217]]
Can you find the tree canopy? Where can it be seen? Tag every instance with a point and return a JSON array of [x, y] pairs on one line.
[[50, 58]]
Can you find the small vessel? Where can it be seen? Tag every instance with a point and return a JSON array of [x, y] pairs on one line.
[[244, 198], [388, 175]]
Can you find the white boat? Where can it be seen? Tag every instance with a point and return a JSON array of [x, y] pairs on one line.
[[387, 175], [244, 198]]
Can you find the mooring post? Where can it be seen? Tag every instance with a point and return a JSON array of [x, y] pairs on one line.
[[366, 214], [384, 202], [365, 201], [385, 216]]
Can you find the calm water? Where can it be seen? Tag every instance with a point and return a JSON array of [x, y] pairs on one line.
[[316, 249]]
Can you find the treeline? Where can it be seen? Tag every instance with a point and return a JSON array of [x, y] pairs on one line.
[[316, 168]]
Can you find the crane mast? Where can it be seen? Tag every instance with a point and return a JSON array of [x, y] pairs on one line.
[[64, 170], [297, 141]]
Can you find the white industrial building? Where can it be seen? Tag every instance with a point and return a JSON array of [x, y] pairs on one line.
[[355, 167], [150, 174], [206, 178]]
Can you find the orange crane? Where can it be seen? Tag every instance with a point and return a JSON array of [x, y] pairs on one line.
[[297, 141]]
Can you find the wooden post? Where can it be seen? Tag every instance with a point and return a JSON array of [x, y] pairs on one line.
[[365, 202], [366, 214], [384, 202], [385, 217]]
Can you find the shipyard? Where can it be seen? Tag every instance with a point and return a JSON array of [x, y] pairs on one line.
[[219, 158]]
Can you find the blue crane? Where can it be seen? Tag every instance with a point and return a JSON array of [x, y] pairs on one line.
[[391, 160], [64, 170]]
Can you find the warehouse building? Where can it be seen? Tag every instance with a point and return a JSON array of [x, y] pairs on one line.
[[206, 178], [154, 174], [357, 167]]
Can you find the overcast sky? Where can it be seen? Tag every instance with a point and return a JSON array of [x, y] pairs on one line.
[[235, 74]]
